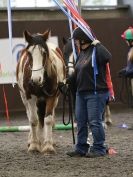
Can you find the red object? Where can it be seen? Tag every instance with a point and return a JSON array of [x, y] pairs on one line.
[[128, 34], [112, 151], [76, 15], [6, 106], [109, 81]]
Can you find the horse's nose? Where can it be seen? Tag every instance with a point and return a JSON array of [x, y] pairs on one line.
[[37, 80], [31, 82]]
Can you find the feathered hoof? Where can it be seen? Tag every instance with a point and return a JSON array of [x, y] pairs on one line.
[[34, 147], [48, 149]]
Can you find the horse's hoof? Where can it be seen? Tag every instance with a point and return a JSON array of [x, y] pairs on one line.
[[54, 144], [48, 149], [34, 147]]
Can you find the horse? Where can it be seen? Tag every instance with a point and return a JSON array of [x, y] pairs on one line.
[[39, 70], [70, 62]]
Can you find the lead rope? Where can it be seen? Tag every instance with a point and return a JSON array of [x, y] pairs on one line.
[[68, 96]]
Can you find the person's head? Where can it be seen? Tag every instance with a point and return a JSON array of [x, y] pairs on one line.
[[81, 37], [128, 36]]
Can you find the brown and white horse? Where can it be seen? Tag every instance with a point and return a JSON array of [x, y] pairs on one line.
[[69, 61], [39, 70]]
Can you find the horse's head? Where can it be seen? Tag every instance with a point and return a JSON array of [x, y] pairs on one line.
[[39, 52], [68, 55], [67, 49]]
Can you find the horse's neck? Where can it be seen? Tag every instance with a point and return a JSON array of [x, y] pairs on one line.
[[51, 62], [70, 65]]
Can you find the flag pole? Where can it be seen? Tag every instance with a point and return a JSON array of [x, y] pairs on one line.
[[10, 35]]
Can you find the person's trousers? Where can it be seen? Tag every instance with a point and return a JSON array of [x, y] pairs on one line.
[[89, 111]]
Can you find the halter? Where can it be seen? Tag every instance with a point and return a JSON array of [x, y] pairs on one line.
[[70, 64], [37, 69]]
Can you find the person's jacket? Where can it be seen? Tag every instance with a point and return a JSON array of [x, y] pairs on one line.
[[128, 70], [83, 76]]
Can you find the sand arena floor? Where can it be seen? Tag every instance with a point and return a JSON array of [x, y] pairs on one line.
[[15, 161]]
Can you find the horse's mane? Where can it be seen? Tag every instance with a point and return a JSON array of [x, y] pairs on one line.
[[38, 40]]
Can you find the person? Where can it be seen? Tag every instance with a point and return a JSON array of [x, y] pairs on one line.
[[92, 94], [128, 70]]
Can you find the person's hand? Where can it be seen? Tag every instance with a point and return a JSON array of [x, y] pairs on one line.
[[68, 81], [122, 72], [63, 88], [112, 99], [95, 42]]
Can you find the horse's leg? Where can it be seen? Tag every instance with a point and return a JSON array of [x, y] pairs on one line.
[[108, 120], [25, 102], [34, 142], [41, 106], [132, 86], [103, 119], [48, 147], [131, 92]]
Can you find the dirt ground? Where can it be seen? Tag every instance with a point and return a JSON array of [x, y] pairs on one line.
[[16, 162]]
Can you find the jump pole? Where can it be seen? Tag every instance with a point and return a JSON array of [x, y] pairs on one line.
[[26, 128]]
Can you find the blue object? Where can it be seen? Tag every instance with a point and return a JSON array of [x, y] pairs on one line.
[[123, 126]]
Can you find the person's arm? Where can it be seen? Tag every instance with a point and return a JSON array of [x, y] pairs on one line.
[[69, 83], [103, 54]]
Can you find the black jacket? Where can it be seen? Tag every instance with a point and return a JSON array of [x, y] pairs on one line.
[[83, 76]]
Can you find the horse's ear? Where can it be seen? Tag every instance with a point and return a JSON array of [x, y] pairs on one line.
[[28, 36], [64, 40], [47, 34]]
